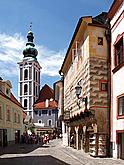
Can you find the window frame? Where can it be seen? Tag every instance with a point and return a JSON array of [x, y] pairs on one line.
[[118, 51], [119, 38], [100, 41], [49, 120], [25, 102], [119, 116], [8, 115], [25, 89], [103, 82], [15, 117]]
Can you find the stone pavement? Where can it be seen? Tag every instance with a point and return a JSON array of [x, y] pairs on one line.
[[53, 153]]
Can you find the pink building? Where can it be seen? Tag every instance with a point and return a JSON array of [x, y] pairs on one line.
[[116, 16]]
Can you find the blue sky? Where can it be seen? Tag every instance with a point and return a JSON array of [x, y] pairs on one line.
[[54, 22]]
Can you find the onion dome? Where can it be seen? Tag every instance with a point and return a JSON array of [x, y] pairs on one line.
[[30, 50]]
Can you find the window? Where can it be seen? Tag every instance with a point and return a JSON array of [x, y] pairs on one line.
[[103, 85], [121, 106], [49, 112], [18, 118], [25, 89], [119, 57], [15, 117], [36, 112], [44, 112], [25, 103], [39, 113], [7, 91], [36, 76], [100, 40], [40, 121], [25, 74], [8, 115], [49, 122]]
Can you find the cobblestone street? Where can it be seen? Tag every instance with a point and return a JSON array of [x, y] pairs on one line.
[[54, 154]]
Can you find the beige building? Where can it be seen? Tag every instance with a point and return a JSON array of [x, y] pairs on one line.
[[11, 115], [85, 67], [59, 97]]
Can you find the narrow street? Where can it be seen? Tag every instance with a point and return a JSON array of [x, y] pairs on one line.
[[52, 154]]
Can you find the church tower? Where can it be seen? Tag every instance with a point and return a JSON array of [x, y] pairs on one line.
[[29, 76]]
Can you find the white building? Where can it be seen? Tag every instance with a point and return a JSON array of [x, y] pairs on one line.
[[29, 76], [116, 15]]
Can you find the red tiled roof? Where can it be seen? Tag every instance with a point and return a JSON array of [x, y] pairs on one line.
[[42, 105], [45, 93]]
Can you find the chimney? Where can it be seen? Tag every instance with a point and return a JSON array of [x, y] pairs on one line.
[[47, 103]]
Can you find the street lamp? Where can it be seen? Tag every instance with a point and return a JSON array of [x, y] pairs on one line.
[[78, 89]]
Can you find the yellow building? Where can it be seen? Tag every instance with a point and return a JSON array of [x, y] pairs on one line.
[[11, 115], [85, 68]]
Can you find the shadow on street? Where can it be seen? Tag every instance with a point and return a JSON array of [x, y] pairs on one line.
[[32, 160], [19, 148]]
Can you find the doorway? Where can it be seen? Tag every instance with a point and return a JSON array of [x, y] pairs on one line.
[[17, 136], [121, 145]]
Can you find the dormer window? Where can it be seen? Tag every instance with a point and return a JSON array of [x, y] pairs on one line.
[[7, 91], [100, 40]]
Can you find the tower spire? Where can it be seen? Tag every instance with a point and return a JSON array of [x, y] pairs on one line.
[[30, 50]]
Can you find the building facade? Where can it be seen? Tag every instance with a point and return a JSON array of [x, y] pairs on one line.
[[11, 115], [86, 114], [59, 97], [116, 16], [46, 111], [29, 76]]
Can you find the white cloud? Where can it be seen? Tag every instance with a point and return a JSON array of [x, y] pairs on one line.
[[11, 48], [50, 61]]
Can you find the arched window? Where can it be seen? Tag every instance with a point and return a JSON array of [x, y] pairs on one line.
[[25, 103], [25, 89], [36, 75], [49, 122], [25, 74]]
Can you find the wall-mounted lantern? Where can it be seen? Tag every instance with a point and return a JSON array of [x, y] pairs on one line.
[[78, 89]]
